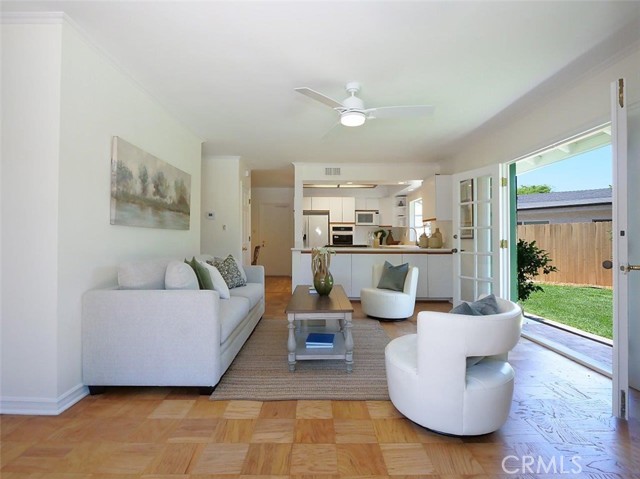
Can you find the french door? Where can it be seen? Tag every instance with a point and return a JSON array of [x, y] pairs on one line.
[[624, 232], [479, 262]]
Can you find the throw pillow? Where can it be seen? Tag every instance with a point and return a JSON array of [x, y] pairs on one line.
[[464, 308], [204, 279], [229, 270], [393, 276], [486, 305], [180, 276], [217, 280]]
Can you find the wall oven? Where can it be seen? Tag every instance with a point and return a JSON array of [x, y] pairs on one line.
[[342, 235]]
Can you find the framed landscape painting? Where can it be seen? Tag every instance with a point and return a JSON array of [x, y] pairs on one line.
[[147, 191]]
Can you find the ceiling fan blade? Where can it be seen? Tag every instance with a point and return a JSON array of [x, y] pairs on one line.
[[411, 111], [319, 97]]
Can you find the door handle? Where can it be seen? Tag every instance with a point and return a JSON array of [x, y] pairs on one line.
[[607, 264], [630, 267]]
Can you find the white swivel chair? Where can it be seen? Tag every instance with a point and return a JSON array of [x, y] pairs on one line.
[[432, 382], [388, 304]]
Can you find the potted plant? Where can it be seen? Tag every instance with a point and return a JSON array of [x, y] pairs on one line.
[[531, 262]]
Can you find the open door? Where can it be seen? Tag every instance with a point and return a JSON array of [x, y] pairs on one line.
[[621, 235], [478, 237]]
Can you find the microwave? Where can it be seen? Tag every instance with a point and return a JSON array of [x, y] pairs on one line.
[[367, 217]]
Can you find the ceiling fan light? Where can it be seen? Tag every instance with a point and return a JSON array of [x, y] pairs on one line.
[[352, 118]]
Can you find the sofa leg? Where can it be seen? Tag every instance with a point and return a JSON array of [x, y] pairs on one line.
[[94, 390], [206, 390]]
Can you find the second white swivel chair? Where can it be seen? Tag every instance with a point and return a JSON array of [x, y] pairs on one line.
[[388, 304]]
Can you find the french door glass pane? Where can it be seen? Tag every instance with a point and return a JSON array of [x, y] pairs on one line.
[[467, 265]]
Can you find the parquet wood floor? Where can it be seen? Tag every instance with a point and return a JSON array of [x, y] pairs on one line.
[[560, 422]]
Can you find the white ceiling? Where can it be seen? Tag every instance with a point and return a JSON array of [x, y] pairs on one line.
[[228, 69]]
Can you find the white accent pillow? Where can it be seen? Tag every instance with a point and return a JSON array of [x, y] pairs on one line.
[[180, 275], [218, 281]]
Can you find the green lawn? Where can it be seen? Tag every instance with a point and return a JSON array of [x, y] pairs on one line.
[[588, 309]]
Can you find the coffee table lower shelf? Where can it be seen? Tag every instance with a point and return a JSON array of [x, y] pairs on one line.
[[338, 351]]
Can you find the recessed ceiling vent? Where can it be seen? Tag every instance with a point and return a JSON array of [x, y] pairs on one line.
[[332, 171]]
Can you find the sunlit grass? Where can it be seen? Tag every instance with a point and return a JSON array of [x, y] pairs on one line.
[[585, 308]]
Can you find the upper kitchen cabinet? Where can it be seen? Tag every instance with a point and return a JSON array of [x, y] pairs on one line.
[[348, 209], [386, 211], [436, 198], [367, 204], [341, 209]]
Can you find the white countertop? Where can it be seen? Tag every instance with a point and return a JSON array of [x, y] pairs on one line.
[[384, 249]]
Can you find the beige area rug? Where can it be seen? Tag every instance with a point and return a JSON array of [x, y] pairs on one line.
[[260, 372]]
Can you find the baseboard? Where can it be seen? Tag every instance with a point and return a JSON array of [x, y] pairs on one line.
[[43, 406]]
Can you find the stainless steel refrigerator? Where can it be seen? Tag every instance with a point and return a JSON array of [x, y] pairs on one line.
[[315, 228]]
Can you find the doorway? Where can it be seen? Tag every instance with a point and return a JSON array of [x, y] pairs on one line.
[[275, 238], [564, 208]]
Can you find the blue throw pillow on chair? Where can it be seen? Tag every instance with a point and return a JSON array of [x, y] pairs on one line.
[[393, 276]]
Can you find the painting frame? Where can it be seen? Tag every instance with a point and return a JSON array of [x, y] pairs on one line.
[[146, 191]]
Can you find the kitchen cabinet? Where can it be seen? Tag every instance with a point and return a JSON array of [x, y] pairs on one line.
[[386, 211], [321, 203], [440, 276], [348, 209], [341, 209], [362, 269], [367, 204], [340, 270], [353, 271], [437, 199], [420, 261]]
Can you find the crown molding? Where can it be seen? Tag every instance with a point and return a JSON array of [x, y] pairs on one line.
[[33, 18]]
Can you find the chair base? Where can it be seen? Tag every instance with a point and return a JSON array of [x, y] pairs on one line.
[[387, 320]]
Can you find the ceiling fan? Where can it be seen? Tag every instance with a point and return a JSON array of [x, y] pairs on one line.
[[352, 110]]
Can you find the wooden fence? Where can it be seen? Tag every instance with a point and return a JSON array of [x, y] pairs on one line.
[[577, 250]]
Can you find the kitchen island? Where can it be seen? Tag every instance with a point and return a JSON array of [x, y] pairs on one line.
[[352, 268]]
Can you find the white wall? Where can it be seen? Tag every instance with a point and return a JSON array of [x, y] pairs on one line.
[[30, 164], [222, 194], [61, 242], [564, 113]]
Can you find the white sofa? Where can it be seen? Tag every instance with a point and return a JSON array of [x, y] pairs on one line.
[[153, 336]]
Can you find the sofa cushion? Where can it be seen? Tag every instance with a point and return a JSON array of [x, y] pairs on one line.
[[180, 275], [217, 280], [252, 291], [232, 313], [230, 271], [142, 274]]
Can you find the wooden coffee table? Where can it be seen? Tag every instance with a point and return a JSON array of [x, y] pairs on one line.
[[309, 312]]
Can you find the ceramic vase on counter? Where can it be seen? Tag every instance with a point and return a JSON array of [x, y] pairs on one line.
[[435, 240]]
